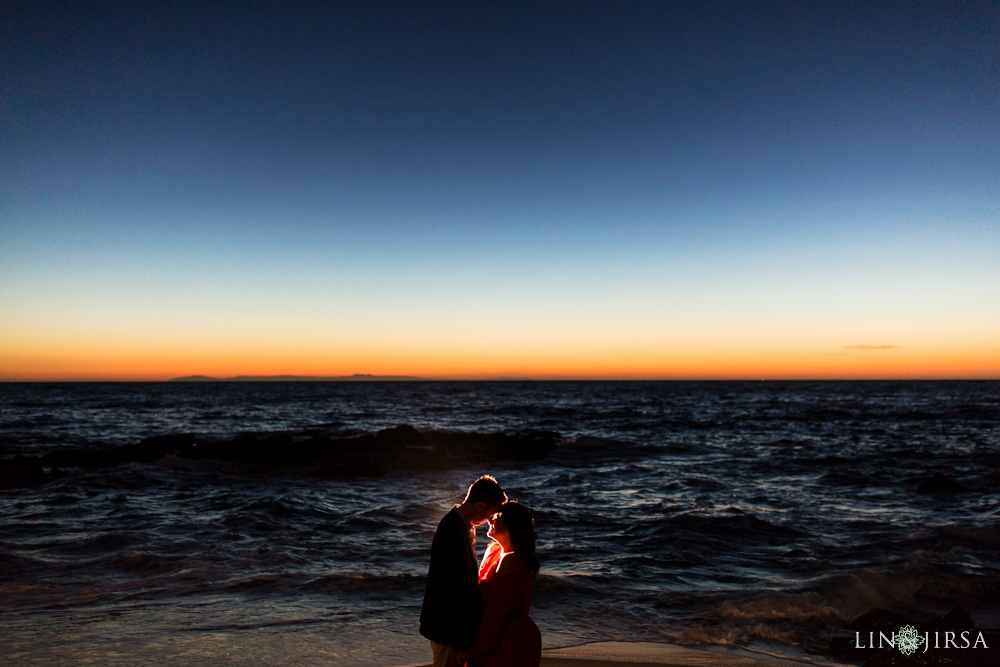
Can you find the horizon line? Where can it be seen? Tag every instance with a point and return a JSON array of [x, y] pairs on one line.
[[365, 377]]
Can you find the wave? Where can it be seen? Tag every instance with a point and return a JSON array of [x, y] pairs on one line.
[[265, 582], [353, 584], [140, 562], [237, 627], [318, 452], [385, 584], [745, 528], [584, 451]]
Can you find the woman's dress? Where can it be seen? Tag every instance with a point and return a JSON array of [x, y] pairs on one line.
[[507, 636]]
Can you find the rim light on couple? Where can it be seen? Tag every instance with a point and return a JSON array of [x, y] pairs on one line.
[[477, 615]]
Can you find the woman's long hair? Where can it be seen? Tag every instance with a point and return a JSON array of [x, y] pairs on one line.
[[521, 526]]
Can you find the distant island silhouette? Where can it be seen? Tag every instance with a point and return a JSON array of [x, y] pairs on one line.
[[357, 377]]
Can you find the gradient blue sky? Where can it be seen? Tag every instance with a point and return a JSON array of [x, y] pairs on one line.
[[485, 188]]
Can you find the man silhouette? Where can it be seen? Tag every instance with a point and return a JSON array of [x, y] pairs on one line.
[[452, 605]]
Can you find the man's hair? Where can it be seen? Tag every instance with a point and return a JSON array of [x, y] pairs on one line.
[[486, 489]]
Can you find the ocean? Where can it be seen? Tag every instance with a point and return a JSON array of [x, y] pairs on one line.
[[291, 522]]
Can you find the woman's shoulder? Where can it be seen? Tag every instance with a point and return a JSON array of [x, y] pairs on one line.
[[492, 556], [488, 566], [512, 563]]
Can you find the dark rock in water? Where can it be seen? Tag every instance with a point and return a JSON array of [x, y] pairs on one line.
[[25, 471], [161, 445], [246, 448], [149, 450], [369, 454], [532, 446], [878, 620], [941, 483], [844, 648], [398, 435], [21, 471], [956, 619]]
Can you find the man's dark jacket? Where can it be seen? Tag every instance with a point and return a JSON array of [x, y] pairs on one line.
[[453, 605]]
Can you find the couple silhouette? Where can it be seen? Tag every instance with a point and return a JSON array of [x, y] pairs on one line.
[[478, 616]]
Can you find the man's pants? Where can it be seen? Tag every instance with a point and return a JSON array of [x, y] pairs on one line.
[[444, 656]]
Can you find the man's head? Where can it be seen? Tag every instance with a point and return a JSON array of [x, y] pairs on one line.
[[483, 500]]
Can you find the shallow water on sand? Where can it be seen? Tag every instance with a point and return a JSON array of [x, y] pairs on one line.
[[760, 514]]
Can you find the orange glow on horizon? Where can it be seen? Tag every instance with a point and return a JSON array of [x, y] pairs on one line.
[[462, 360]]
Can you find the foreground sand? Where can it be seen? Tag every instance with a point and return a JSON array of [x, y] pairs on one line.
[[643, 654]]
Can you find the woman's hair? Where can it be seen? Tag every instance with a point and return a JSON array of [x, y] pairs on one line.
[[521, 526]]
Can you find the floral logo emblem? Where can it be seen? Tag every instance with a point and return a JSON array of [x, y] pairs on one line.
[[908, 640]]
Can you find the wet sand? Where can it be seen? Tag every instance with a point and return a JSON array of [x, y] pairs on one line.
[[647, 654]]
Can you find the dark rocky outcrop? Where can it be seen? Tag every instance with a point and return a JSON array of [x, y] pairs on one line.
[[878, 620], [956, 619], [25, 471], [319, 452], [21, 471], [148, 450]]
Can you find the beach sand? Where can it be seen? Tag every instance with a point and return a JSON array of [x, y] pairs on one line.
[[648, 654]]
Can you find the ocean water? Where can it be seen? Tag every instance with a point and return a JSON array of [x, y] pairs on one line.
[[766, 515]]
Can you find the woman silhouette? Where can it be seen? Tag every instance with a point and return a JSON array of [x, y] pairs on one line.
[[507, 636]]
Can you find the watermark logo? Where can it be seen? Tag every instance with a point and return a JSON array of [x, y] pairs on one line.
[[908, 639]]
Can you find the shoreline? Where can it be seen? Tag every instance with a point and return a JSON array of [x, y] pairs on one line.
[[648, 654]]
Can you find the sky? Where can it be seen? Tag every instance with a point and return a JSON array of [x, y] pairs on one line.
[[486, 189]]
